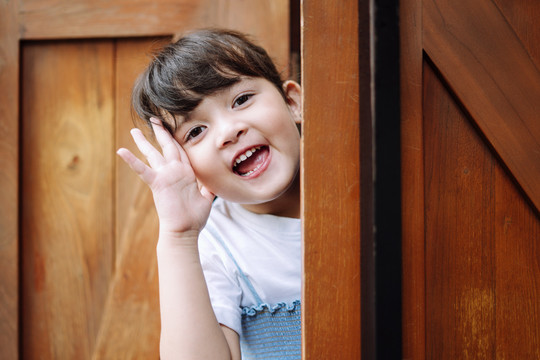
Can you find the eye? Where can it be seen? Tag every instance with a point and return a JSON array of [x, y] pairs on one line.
[[194, 132], [240, 100]]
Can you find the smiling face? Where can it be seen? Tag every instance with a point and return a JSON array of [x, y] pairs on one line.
[[243, 142]]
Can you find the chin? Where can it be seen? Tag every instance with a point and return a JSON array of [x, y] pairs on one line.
[[264, 196]]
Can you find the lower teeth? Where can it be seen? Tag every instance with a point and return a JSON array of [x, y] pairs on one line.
[[251, 171]]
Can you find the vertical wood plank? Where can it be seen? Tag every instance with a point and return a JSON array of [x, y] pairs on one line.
[[132, 310], [9, 179], [482, 251], [331, 180], [67, 195], [412, 180], [460, 246], [132, 57], [517, 251], [267, 21]]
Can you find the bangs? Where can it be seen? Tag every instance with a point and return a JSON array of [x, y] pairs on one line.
[[200, 64]]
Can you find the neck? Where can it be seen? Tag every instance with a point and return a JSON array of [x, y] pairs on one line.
[[286, 205]]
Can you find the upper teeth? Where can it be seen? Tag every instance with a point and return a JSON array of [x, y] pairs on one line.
[[245, 155]]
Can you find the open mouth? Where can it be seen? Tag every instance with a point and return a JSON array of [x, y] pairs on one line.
[[250, 161]]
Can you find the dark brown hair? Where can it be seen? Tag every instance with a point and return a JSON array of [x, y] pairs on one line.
[[199, 64]]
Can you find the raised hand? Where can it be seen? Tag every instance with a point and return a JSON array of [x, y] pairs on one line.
[[181, 205]]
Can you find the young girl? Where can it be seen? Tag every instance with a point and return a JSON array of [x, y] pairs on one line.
[[226, 190]]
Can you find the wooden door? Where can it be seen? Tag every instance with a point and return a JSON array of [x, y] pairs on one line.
[[471, 179], [77, 229], [337, 308]]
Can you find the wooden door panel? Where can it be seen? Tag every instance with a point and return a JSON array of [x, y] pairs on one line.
[[134, 287], [89, 274], [67, 218], [484, 62], [482, 273], [460, 262], [132, 56], [471, 161], [517, 283]]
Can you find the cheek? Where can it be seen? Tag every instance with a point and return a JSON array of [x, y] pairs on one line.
[[200, 164], [279, 122]]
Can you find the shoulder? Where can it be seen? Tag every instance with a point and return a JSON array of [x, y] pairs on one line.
[[233, 230], [264, 248], [234, 217]]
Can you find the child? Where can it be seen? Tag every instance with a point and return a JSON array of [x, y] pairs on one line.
[[229, 267]]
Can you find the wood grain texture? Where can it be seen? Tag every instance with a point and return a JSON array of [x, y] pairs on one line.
[[133, 297], [331, 181], [67, 195], [517, 227], [481, 224], [9, 183], [132, 310], [51, 19], [482, 271], [460, 269], [521, 15], [485, 62], [517, 286], [107, 287], [266, 20], [412, 180]]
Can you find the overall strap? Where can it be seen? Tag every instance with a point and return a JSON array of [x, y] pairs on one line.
[[242, 275]]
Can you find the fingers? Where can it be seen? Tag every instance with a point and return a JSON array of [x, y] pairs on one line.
[[140, 168], [154, 157], [172, 151], [165, 140], [170, 147]]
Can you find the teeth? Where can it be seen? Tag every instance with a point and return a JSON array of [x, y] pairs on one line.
[[245, 155], [251, 171]]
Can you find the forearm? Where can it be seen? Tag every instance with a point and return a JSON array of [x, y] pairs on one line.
[[189, 329]]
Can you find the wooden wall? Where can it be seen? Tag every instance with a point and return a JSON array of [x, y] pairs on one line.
[[77, 228]]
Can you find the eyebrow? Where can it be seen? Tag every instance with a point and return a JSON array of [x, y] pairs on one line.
[[179, 120]]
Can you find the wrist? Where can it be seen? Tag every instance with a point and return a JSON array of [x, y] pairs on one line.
[[174, 240]]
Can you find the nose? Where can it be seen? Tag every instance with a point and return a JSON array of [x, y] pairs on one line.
[[230, 131]]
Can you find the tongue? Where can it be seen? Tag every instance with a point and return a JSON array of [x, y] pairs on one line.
[[252, 162]]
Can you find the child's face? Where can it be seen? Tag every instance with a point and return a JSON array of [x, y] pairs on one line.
[[243, 142]]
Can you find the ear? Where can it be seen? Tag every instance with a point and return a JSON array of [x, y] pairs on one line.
[[293, 92]]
